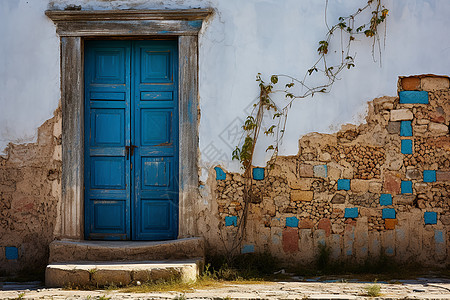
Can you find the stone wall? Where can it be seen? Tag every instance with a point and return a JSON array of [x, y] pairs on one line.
[[30, 189], [380, 188]]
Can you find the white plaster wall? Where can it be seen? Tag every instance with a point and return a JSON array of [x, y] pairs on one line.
[[240, 40], [29, 70]]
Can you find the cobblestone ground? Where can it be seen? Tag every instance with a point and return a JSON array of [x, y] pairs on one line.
[[420, 288]]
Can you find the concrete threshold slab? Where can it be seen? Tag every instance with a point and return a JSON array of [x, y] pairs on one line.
[[69, 250], [101, 273]]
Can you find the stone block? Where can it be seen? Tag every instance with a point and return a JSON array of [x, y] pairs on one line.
[[107, 277], [306, 170], [165, 274], [443, 176], [359, 186], [351, 212], [404, 199], [290, 240], [437, 128], [325, 224], [437, 117], [393, 127], [401, 115], [292, 222], [392, 184], [429, 176], [258, 173], [410, 83], [406, 187], [320, 171], [298, 195], [389, 224], [385, 199], [220, 174], [430, 217], [301, 184], [59, 277], [434, 83], [343, 184], [413, 97], [445, 219], [407, 147], [388, 213], [405, 128], [413, 174], [375, 187], [334, 173], [338, 199], [231, 221], [305, 224]]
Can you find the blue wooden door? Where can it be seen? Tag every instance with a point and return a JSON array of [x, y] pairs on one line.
[[131, 140]]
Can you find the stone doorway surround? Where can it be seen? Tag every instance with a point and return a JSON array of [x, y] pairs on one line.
[[73, 26]]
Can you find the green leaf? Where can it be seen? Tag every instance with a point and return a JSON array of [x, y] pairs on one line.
[[270, 148], [274, 79]]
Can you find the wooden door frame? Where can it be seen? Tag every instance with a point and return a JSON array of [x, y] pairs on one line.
[[73, 27]]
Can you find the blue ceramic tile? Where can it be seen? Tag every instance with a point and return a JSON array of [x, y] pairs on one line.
[[220, 174], [343, 184], [414, 97], [388, 213], [11, 253], [407, 147], [405, 128], [351, 212], [429, 176], [231, 221], [430, 217], [291, 222], [385, 199], [258, 173], [407, 187]]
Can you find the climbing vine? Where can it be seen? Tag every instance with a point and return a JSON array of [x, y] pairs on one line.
[[347, 29]]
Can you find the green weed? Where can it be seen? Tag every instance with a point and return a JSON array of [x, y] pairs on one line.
[[373, 290]]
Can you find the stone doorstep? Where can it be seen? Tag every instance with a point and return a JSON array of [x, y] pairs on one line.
[[85, 273], [181, 249]]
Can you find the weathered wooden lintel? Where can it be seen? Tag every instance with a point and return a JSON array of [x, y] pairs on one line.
[[128, 22]]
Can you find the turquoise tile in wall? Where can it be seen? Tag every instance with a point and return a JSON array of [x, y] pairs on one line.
[[414, 97], [407, 147], [405, 128]]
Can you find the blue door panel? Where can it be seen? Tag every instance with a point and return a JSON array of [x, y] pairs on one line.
[[155, 127], [107, 173], [155, 215], [156, 172], [158, 95], [108, 125], [104, 96], [109, 216], [131, 99], [109, 65], [155, 65]]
